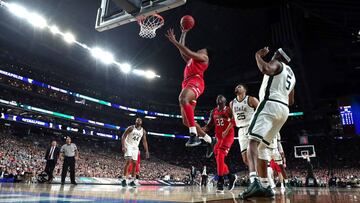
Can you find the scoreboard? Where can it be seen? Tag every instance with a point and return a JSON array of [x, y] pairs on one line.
[[349, 110], [346, 115]]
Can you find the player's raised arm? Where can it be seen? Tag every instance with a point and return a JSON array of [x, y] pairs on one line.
[[182, 41], [271, 68], [198, 56], [123, 137], [145, 144]]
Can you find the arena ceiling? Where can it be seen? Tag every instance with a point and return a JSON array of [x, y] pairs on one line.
[[322, 38]]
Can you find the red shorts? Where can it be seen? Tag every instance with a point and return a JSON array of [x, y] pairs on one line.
[[196, 84], [137, 169], [275, 167], [224, 144]]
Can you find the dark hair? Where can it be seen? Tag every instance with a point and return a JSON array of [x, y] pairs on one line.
[[220, 95], [244, 86], [210, 53]]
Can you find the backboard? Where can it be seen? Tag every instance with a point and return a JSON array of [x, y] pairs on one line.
[[304, 150], [110, 15]]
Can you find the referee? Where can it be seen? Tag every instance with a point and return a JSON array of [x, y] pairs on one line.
[[69, 153]]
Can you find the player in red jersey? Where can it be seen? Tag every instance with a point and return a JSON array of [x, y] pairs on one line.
[[221, 117], [137, 169], [193, 85]]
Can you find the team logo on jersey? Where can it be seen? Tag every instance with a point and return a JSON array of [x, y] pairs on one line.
[[239, 108]]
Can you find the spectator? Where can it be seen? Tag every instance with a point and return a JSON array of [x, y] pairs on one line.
[[51, 157]]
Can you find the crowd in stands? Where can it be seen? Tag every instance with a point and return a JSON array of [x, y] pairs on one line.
[[21, 154], [25, 153]]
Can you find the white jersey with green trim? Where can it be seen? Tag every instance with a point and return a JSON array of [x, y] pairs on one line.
[[278, 87], [134, 137], [242, 112]]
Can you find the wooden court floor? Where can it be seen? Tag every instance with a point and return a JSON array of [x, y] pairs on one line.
[[148, 194]]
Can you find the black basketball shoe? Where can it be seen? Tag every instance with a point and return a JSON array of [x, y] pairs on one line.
[[193, 141]]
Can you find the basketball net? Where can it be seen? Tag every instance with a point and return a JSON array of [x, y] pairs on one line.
[[149, 25]]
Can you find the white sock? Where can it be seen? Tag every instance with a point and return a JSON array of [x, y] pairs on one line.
[[193, 130], [207, 138], [282, 184], [264, 182], [253, 176]]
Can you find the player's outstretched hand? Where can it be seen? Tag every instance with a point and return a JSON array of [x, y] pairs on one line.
[[170, 35], [147, 154], [263, 52]]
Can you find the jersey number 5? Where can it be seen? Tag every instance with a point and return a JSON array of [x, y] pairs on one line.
[[288, 82]]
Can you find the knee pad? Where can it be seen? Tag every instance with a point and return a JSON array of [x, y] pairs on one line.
[[263, 153]]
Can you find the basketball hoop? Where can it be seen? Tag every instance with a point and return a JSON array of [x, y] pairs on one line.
[[149, 25], [305, 156]]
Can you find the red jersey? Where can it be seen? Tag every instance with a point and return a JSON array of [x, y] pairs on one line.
[[195, 69], [222, 119]]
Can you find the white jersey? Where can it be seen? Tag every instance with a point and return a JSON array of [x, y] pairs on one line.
[[133, 138], [242, 112], [278, 87]]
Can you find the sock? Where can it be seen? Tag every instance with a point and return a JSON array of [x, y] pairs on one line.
[[189, 113], [264, 182], [282, 184], [286, 181], [253, 176], [221, 180], [207, 139], [193, 130]]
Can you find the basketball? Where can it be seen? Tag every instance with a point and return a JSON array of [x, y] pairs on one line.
[[187, 23]]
